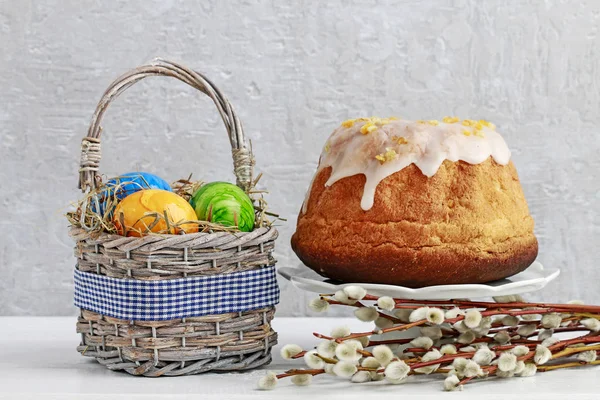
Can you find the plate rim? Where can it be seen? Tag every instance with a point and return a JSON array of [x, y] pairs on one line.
[[482, 289]]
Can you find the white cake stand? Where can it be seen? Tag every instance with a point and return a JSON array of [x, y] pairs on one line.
[[532, 279]]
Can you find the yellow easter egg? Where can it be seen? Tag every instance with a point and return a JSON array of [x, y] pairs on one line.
[[154, 210]]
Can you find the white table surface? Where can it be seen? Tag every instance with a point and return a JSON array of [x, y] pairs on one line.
[[38, 360]]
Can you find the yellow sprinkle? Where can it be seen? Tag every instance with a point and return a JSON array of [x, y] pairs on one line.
[[433, 122], [402, 140], [478, 126], [450, 120], [467, 133], [394, 118], [327, 147], [487, 124], [479, 133], [368, 128], [420, 121], [467, 122], [348, 123], [389, 155]]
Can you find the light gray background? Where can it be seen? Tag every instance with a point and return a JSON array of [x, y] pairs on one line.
[[293, 70]]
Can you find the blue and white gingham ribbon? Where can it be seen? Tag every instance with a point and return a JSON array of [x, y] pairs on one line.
[[176, 298]]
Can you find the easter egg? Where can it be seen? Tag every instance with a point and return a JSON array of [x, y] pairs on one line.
[[153, 210], [224, 203], [118, 188]]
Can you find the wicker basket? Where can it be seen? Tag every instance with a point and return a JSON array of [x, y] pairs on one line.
[[187, 345]]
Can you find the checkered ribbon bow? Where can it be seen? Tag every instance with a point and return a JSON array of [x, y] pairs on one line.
[[140, 300]]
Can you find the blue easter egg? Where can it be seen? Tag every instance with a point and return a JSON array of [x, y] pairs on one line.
[[118, 188]]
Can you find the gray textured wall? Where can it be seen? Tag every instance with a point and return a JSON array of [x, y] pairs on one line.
[[293, 70]]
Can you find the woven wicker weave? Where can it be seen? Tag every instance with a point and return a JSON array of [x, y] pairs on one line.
[[224, 342]]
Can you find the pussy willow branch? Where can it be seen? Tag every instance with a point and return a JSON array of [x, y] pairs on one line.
[[562, 351], [582, 308]]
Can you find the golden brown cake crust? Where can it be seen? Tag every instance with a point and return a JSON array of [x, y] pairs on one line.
[[466, 224]]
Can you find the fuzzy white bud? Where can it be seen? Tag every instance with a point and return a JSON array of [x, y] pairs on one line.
[[587, 356], [578, 302], [451, 383], [545, 334], [459, 365], [530, 317], [484, 356], [383, 323], [326, 348], [528, 370], [460, 327], [355, 292], [526, 330], [519, 367], [448, 349], [383, 354], [357, 344], [484, 327], [502, 337], [364, 340], [510, 320], [386, 303], [312, 360], [435, 315], [342, 297], [472, 318], [466, 337], [361, 377], [403, 314], [344, 369], [290, 350], [542, 355], [551, 321], [520, 350], [467, 349], [419, 314], [397, 370], [505, 299], [454, 312], [366, 314], [433, 332], [591, 323], [375, 376], [340, 332], [347, 352], [370, 362], [472, 369], [302, 379], [422, 342], [329, 369], [550, 341], [318, 305], [268, 381], [504, 374], [507, 362], [429, 356]]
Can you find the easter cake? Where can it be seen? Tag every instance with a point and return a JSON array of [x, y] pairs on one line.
[[415, 203]]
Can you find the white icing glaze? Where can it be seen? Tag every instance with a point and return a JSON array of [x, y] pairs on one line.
[[349, 152]]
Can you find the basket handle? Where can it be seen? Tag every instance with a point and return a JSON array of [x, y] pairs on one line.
[[243, 160]]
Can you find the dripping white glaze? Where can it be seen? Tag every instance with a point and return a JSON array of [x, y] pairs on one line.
[[349, 152]]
